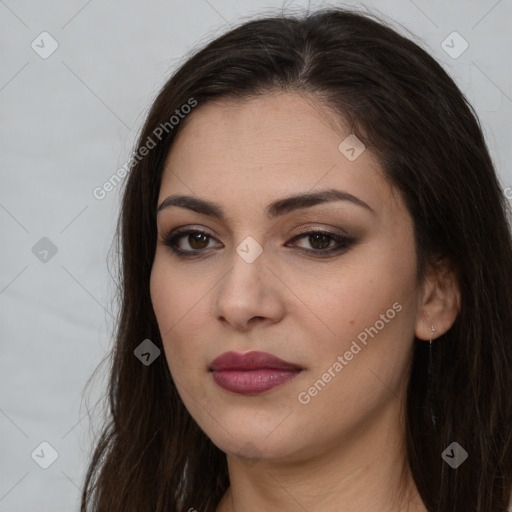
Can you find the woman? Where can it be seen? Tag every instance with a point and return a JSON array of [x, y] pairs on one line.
[[314, 237]]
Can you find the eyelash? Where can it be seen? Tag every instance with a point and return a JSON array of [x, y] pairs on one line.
[[344, 242]]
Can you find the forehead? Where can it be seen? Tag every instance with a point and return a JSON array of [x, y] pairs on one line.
[[268, 146], [262, 128]]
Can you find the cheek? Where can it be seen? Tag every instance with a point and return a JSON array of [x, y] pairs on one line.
[[175, 295], [354, 298], [383, 275], [375, 351], [368, 310], [179, 301]]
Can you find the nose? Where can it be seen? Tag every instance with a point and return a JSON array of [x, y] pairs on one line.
[[250, 293]]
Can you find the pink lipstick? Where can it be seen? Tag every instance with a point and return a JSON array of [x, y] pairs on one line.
[[251, 373]]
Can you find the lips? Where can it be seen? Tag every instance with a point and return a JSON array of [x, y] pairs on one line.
[[251, 373], [250, 361]]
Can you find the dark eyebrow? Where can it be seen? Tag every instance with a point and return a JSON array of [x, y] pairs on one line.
[[274, 209]]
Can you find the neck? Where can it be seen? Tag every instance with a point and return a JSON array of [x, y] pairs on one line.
[[364, 471]]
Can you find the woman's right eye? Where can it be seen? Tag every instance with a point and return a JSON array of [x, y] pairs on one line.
[[195, 239]]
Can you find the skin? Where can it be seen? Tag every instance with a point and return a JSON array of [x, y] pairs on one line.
[[346, 445]]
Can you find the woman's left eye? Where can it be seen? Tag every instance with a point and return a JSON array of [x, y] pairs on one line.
[[318, 239]]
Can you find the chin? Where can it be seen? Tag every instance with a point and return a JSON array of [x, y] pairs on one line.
[[253, 439]]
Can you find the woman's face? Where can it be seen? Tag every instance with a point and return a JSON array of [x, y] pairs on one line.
[[341, 310]]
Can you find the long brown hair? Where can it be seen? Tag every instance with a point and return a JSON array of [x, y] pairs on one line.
[[151, 456]]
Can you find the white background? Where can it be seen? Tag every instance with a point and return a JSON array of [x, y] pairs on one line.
[[67, 123]]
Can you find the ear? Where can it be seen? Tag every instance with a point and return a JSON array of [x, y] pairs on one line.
[[439, 301]]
